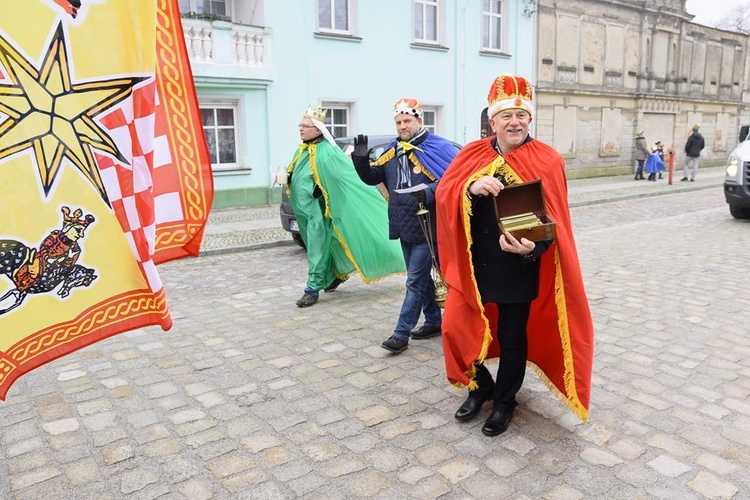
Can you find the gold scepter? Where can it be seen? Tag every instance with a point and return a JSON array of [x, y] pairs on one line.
[[441, 288]]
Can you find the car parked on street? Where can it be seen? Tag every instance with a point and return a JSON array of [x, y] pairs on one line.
[[737, 178], [377, 143]]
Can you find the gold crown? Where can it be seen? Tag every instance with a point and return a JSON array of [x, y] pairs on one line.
[[316, 113], [75, 219]]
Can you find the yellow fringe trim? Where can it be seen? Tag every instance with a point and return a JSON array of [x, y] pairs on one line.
[[577, 409], [496, 166], [564, 329], [339, 236], [571, 400], [351, 258], [388, 156], [316, 177], [384, 158], [290, 168], [499, 166]]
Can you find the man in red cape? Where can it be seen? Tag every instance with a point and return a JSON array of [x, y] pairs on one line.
[[544, 303]]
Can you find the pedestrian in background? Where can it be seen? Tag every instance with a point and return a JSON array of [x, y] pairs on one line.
[[693, 148], [641, 153], [654, 164], [517, 300], [340, 219], [660, 152], [416, 157]]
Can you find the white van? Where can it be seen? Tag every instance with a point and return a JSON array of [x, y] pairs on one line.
[[737, 178]]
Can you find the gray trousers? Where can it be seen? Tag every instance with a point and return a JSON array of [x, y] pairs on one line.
[[696, 161]]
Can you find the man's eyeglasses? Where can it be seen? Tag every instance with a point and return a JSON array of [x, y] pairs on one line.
[[302, 125]]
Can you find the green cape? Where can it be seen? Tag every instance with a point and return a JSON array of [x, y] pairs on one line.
[[345, 229]]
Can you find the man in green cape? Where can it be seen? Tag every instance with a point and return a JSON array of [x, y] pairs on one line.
[[343, 222]]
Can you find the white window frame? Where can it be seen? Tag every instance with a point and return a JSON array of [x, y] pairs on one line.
[[488, 15], [423, 6], [331, 124], [350, 6], [194, 8], [234, 105], [433, 113]]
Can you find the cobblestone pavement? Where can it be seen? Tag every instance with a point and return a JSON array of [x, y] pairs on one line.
[[249, 396]]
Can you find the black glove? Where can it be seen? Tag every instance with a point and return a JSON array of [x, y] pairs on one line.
[[420, 196], [360, 146]]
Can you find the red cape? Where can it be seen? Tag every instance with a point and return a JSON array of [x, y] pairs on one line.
[[560, 330]]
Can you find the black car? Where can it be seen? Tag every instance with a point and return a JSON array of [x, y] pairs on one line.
[[377, 143]]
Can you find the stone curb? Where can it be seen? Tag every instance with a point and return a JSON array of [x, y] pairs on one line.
[[634, 196], [245, 248]]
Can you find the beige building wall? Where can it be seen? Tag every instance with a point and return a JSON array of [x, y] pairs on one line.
[[609, 68]]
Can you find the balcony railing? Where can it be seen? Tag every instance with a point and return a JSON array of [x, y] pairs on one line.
[[248, 46], [221, 43], [199, 40]]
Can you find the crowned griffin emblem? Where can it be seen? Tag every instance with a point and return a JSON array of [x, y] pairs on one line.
[[52, 265]]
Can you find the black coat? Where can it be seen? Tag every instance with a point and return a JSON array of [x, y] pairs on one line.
[[694, 145], [402, 208], [502, 277]]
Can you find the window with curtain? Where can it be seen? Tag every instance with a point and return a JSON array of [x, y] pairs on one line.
[[492, 25], [220, 127], [211, 7], [337, 118], [333, 15], [426, 21], [429, 119]]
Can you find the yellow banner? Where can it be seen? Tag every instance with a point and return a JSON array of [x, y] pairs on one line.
[[80, 117]]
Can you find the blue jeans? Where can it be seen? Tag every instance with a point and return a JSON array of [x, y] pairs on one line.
[[639, 170], [420, 291]]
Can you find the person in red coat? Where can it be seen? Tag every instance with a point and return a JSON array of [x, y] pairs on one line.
[[516, 300]]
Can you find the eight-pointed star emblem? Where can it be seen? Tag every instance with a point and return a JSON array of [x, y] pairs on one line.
[[49, 113]]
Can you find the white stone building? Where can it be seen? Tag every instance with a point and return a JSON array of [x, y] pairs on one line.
[[609, 68]]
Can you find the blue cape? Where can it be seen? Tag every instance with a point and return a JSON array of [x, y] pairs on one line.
[[434, 153]]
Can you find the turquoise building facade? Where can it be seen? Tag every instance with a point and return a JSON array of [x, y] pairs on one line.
[[258, 64]]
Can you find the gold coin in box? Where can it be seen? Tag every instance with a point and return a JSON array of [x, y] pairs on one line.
[[521, 211]]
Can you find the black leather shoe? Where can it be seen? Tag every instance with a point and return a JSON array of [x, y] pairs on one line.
[[473, 404], [395, 344], [683, 179], [307, 300], [497, 422], [334, 285], [425, 332]]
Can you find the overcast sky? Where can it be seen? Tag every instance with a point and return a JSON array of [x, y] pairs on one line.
[[709, 11]]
